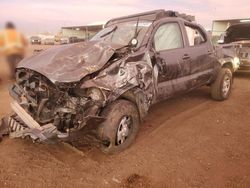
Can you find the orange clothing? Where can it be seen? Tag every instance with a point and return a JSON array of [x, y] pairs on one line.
[[12, 42]]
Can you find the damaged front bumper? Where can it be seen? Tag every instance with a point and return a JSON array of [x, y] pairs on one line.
[[20, 125]]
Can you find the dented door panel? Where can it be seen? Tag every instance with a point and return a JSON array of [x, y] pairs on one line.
[[172, 67], [172, 62], [201, 53], [201, 62]]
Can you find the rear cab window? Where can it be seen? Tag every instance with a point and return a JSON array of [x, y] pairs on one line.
[[195, 35]]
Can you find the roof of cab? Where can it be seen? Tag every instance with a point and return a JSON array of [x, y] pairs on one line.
[[151, 16]]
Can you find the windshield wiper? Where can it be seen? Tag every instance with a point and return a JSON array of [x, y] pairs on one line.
[[136, 32], [136, 28], [111, 31]]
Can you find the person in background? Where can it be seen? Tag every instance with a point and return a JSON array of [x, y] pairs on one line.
[[12, 46]]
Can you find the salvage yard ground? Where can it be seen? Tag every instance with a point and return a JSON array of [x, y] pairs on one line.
[[188, 141]]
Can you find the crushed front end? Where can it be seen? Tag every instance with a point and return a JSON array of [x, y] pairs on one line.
[[43, 109]]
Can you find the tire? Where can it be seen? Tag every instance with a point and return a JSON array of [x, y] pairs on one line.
[[120, 128], [221, 88]]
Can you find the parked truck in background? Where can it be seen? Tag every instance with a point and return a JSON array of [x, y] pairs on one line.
[[236, 40]]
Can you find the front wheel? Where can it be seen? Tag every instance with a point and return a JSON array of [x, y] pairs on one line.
[[120, 128], [221, 88]]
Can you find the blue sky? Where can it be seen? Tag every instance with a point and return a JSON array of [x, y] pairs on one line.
[[33, 16]]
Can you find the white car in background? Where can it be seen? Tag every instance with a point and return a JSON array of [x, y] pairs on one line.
[[64, 40], [48, 41]]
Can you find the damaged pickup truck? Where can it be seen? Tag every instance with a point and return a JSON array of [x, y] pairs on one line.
[[113, 79], [237, 37]]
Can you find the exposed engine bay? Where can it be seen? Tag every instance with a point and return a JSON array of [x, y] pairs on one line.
[[63, 107], [67, 108]]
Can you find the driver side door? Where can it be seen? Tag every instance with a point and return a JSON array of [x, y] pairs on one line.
[[172, 61]]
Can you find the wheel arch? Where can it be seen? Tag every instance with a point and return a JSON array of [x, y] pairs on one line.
[[139, 98], [228, 65]]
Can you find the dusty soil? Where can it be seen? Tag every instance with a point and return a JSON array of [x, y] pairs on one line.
[[189, 141]]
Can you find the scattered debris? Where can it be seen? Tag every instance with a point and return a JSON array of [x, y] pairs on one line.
[[116, 180], [135, 180]]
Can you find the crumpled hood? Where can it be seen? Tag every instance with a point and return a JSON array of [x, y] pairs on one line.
[[70, 63]]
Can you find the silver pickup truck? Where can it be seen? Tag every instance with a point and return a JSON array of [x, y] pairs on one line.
[[236, 40]]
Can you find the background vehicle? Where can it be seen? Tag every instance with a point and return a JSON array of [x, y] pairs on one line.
[[48, 41], [113, 79], [238, 36], [35, 40], [64, 40], [73, 40]]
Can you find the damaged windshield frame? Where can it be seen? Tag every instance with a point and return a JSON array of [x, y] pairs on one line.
[[109, 32], [135, 28]]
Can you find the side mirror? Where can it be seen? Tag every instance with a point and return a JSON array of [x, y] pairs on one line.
[[221, 41], [134, 42]]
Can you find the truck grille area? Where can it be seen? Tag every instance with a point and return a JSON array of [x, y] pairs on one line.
[[36, 94], [16, 124], [245, 55]]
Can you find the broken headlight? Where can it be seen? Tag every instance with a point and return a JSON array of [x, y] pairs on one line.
[[95, 94], [236, 62]]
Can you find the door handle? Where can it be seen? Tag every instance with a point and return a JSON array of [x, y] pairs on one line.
[[209, 52], [186, 56]]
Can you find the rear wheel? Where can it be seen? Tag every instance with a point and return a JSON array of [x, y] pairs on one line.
[[120, 128], [221, 88]]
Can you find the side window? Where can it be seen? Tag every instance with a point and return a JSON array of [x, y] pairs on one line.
[[195, 36], [168, 36]]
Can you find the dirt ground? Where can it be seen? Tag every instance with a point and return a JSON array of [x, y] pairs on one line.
[[188, 141]]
